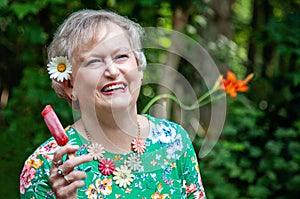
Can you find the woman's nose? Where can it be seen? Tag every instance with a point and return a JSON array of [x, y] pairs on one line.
[[112, 71]]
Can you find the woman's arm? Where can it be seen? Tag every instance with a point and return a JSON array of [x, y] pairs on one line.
[[190, 169]]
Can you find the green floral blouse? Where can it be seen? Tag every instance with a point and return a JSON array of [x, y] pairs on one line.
[[169, 168]]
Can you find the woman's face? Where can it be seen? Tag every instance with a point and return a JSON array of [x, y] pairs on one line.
[[106, 75]]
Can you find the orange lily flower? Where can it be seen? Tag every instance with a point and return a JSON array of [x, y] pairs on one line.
[[232, 86]]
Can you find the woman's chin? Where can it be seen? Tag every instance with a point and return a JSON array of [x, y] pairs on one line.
[[115, 102]]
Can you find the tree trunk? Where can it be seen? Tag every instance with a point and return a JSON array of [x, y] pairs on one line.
[[260, 56], [167, 82], [219, 23]]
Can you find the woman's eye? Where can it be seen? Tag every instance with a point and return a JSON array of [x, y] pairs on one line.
[[94, 61], [121, 57]]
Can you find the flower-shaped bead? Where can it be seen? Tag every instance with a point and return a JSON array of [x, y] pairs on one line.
[[134, 162], [106, 166], [123, 176], [138, 145], [96, 150], [59, 68]]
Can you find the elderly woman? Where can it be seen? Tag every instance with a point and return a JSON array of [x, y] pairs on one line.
[[96, 64]]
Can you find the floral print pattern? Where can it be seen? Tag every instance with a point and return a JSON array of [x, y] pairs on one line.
[[104, 186], [168, 168]]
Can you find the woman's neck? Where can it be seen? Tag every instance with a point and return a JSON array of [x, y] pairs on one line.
[[113, 130]]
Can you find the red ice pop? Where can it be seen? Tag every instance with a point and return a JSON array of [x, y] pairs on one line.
[[54, 126]]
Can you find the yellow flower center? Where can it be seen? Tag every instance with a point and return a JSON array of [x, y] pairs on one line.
[[61, 67]]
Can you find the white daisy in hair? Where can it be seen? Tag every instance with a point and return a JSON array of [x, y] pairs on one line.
[[59, 68]]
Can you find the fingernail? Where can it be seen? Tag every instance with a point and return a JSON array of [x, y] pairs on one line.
[[71, 155]]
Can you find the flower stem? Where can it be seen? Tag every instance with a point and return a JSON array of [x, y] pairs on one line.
[[201, 101]]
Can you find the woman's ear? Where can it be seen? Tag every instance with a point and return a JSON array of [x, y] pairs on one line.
[[140, 59], [68, 88]]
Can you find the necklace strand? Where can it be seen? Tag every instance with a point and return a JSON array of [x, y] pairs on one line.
[[123, 174]]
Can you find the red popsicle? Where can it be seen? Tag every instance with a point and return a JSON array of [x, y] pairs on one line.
[[54, 126]]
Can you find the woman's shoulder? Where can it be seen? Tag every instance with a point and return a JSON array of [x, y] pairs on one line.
[[49, 146], [168, 139], [165, 131], [163, 122], [44, 152]]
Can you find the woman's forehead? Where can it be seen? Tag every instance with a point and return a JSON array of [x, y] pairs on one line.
[[106, 35], [111, 36]]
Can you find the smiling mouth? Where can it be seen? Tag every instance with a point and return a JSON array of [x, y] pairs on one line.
[[113, 87]]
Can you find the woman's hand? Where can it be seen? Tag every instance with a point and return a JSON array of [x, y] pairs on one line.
[[63, 178]]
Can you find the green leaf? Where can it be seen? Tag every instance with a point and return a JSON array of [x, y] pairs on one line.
[[3, 3], [164, 42], [149, 2], [295, 77], [294, 183], [285, 133], [258, 191], [249, 175], [294, 149], [274, 147], [255, 152], [35, 34], [23, 9]]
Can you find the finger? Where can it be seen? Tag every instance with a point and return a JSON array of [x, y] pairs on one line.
[[69, 191], [75, 176], [58, 182], [68, 181], [69, 164], [68, 149], [57, 158], [57, 163]]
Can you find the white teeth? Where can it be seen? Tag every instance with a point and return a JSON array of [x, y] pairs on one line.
[[114, 87]]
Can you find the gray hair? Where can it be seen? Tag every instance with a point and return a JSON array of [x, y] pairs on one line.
[[82, 27]]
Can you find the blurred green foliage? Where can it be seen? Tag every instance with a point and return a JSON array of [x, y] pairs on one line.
[[25, 127], [250, 161], [258, 154]]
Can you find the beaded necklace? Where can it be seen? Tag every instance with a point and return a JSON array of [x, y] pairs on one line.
[[121, 175]]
